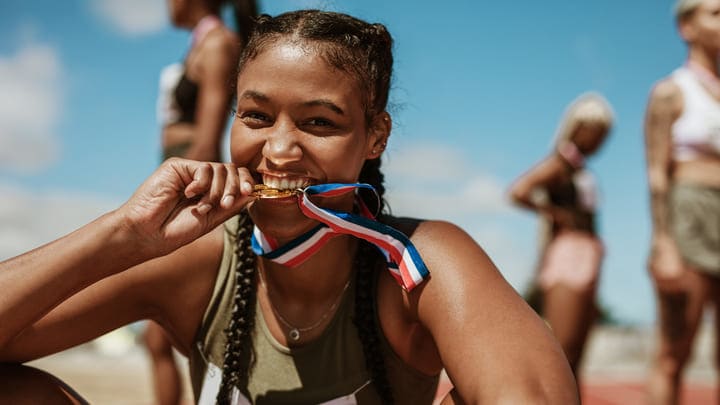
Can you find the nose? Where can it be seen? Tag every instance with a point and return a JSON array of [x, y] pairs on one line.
[[282, 146]]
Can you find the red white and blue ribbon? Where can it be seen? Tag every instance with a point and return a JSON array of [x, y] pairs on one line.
[[403, 259]]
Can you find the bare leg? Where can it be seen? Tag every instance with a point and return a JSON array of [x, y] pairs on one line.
[[571, 313], [21, 384], [679, 315], [715, 294], [166, 375]]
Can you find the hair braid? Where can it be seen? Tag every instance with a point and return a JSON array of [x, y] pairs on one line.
[[369, 262], [239, 329], [365, 320]]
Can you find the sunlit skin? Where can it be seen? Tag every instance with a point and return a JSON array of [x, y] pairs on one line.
[[671, 276]]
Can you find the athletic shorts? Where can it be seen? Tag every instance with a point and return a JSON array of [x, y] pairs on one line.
[[695, 225], [572, 259]]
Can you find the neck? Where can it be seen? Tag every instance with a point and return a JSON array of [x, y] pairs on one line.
[[318, 278], [705, 59]]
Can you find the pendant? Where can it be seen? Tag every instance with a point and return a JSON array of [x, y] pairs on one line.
[[294, 334]]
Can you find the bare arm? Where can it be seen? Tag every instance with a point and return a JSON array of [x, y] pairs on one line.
[[664, 108], [494, 348], [218, 59], [525, 191], [179, 203]]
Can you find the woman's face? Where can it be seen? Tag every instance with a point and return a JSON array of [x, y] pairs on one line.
[[589, 136], [703, 26], [298, 122]]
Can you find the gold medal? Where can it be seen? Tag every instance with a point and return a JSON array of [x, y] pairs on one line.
[[263, 191]]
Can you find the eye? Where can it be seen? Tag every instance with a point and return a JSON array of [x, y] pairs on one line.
[[253, 118], [320, 122]]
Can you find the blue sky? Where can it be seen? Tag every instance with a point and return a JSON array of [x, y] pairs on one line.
[[478, 91]]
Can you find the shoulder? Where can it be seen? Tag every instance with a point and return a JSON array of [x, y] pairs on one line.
[[430, 236], [220, 40], [666, 95], [451, 255], [665, 88]]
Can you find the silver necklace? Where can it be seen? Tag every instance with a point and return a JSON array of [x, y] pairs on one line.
[[295, 331]]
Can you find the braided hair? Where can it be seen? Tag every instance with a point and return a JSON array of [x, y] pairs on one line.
[[242, 320], [365, 52]]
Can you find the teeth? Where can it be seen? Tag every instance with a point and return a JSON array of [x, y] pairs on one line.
[[284, 183]]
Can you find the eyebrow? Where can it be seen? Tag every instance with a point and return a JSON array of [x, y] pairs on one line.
[[254, 95], [258, 96], [325, 103]]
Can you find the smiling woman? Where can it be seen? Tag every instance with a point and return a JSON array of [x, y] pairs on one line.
[[316, 297]]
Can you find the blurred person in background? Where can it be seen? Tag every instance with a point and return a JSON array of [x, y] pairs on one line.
[[562, 191], [682, 135], [193, 108]]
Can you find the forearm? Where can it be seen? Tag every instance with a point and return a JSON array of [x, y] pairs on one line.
[[659, 210], [36, 282]]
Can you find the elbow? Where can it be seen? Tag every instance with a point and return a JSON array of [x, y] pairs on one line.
[[518, 196], [542, 394], [658, 181]]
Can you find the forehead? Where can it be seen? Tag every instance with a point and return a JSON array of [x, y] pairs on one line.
[[709, 5], [290, 68]]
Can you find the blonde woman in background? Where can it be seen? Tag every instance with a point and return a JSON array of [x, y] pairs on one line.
[[682, 134], [562, 192]]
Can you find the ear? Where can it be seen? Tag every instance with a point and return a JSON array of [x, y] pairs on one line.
[[378, 135]]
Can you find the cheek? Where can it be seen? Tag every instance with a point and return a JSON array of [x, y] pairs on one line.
[[243, 146], [344, 165]]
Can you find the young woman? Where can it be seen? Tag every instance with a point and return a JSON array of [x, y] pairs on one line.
[[562, 191], [682, 134], [269, 302]]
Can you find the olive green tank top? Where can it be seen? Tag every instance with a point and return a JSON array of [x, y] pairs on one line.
[[329, 370]]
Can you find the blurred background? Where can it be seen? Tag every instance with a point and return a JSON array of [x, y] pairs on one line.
[[479, 89]]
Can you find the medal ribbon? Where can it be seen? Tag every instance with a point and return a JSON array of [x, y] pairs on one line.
[[403, 260]]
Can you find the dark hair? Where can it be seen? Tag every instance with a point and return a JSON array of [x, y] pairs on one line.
[[364, 51], [346, 43], [244, 12]]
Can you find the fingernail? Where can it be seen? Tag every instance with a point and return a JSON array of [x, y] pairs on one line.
[[204, 208], [227, 201], [246, 187]]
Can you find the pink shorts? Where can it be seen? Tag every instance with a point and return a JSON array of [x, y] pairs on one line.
[[572, 259]]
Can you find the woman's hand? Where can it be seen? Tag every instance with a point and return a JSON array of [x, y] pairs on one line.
[[665, 264], [183, 200]]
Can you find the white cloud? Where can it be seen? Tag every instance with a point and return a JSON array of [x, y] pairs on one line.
[[30, 107], [28, 220], [515, 261], [132, 17], [436, 181]]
